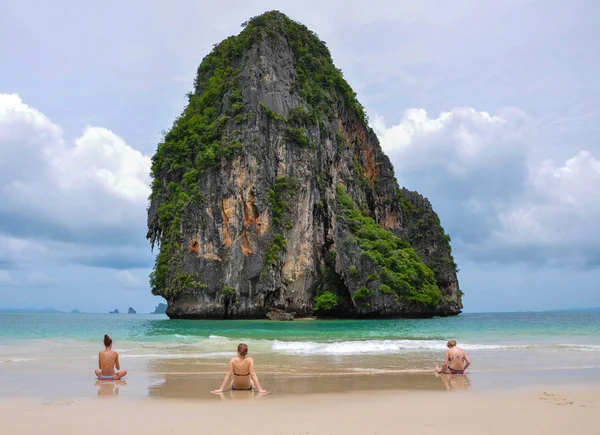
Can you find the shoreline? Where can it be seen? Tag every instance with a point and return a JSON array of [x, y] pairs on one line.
[[175, 385], [528, 410]]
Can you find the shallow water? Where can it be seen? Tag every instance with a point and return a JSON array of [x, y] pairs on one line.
[[180, 357]]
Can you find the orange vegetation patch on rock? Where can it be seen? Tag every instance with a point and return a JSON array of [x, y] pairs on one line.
[[209, 254], [367, 150], [251, 219], [251, 216], [245, 244], [362, 135], [368, 155], [392, 220], [264, 222], [206, 251], [239, 173], [194, 246], [225, 211]]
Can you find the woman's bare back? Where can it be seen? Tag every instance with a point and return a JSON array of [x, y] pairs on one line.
[[108, 359], [241, 373], [456, 358]]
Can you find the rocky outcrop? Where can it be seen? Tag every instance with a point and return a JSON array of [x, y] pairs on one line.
[[271, 192], [131, 311], [160, 309], [114, 312], [423, 230], [279, 315]]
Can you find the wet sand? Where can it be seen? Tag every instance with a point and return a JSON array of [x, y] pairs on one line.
[[531, 410], [52, 385]]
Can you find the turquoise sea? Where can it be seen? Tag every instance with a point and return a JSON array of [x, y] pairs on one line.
[[154, 348]]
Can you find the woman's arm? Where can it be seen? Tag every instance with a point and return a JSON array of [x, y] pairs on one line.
[[117, 365], [99, 361], [466, 358], [255, 378], [227, 376]]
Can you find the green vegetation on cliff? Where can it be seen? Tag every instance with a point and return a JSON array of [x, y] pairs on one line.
[[424, 232], [196, 142], [319, 83], [162, 279], [328, 294], [279, 198], [401, 270]]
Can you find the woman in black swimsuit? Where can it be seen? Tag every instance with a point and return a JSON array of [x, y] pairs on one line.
[[242, 369]]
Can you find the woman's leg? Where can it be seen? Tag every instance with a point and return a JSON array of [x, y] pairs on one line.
[[98, 373], [438, 369], [120, 374]]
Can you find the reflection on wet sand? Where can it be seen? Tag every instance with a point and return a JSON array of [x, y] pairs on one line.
[[240, 395], [109, 387], [455, 382], [200, 385], [293, 364]]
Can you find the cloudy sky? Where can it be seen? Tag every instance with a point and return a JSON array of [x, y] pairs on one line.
[[490, 109]]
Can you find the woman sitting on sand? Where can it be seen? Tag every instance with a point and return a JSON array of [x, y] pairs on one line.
[[108, 359], [242, 369], [456, 361]]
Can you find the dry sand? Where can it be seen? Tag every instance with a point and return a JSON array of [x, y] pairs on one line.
[[532, 410]]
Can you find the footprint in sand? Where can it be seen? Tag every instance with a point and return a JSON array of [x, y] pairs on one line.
[[57, 404], [551, 398]]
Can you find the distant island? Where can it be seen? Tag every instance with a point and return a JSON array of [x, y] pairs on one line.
[[131, 311], [75, 311], [160, 309], [114, 312]]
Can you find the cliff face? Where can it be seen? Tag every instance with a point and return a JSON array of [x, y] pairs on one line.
[[271, 192]]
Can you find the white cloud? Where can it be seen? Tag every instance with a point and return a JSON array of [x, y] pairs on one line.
[[495, 199], [444, 153], [560, 208], [101, 158], [61, 201], [24, 137], [100, 181]]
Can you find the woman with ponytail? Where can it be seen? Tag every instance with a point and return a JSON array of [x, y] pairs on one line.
[[108, 360]]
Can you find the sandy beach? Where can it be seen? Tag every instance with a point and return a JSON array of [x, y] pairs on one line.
[[531, 410]]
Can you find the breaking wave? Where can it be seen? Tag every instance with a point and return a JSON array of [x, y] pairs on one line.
[[15, 359], [396, 346]]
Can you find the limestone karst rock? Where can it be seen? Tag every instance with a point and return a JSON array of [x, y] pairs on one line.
[[271, 192]]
